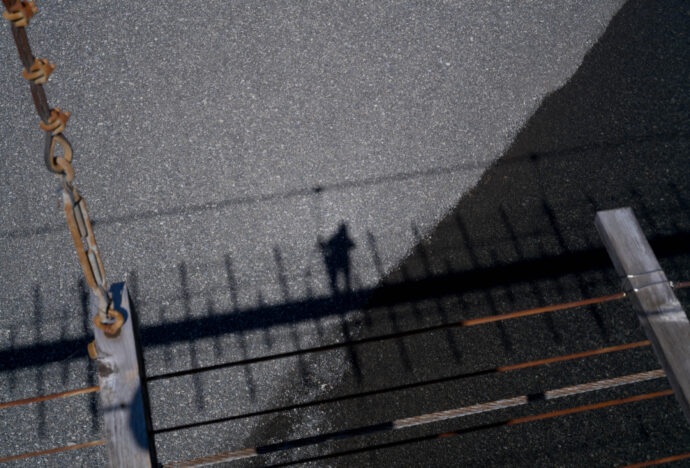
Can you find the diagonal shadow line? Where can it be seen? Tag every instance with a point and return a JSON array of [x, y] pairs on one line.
[[253, 199], [266, 316], [345, 185]]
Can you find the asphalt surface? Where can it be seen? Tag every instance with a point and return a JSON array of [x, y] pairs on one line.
[[217, 147]]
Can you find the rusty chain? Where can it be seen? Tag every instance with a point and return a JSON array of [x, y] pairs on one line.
[[53, 123]]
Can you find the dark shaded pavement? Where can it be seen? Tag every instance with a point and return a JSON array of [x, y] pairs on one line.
[[616, 135]]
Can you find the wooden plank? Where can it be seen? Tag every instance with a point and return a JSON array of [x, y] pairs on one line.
[[124, 401], [661, 314]]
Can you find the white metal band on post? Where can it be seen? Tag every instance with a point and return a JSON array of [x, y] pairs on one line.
[[661, 314]]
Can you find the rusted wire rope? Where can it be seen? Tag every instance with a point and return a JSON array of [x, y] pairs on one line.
[[27, 58], [53, 122], [568, 357], [547, 395], [65, 448], [660, 461], [53, 396], [483, 372], [418, 331], [541, 310], [478, 428], [429, 419]]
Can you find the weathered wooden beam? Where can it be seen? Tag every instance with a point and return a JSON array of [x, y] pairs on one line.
[[123, 396], [661, 314]]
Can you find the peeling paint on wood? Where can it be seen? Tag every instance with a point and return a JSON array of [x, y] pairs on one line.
[[661, 314], [125, 414]]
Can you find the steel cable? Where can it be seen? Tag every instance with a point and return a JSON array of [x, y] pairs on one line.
[[418, 331], [483, 372], [53, 396], [51, 451], [428, 419]]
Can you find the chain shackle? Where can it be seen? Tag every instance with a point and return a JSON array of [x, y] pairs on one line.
[[111, 325], [56, 121], [39, 71], [20, 13]]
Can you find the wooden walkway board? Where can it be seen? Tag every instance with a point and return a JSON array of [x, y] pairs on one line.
[[661, 314], [125, 416]]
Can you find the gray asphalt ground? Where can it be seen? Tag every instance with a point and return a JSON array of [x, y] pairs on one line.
[[216, 146]]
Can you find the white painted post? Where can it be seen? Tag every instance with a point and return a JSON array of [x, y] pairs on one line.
[[122, 395], [661, 314]]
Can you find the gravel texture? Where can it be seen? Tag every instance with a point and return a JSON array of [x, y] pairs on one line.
[[217, 146]]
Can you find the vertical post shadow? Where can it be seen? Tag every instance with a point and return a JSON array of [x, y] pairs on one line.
[[562, 244], [352, 352], [234, 308], [265, 331], [310, 297], [186, 304], [64, 328], [167, 356], [402, 350], [428, 272], [581, 285], [248, 377], [232, 283], [285, 290], [684, 209], [378, 264], [474, 260], [211, 312], [12, 377], [40, 384], [91, 371]]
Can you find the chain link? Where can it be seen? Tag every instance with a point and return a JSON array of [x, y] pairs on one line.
[[53, 123]]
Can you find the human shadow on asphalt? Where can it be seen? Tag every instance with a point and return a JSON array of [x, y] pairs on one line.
[[337, 260], [614, 135], [537, 262], [546, 273]]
